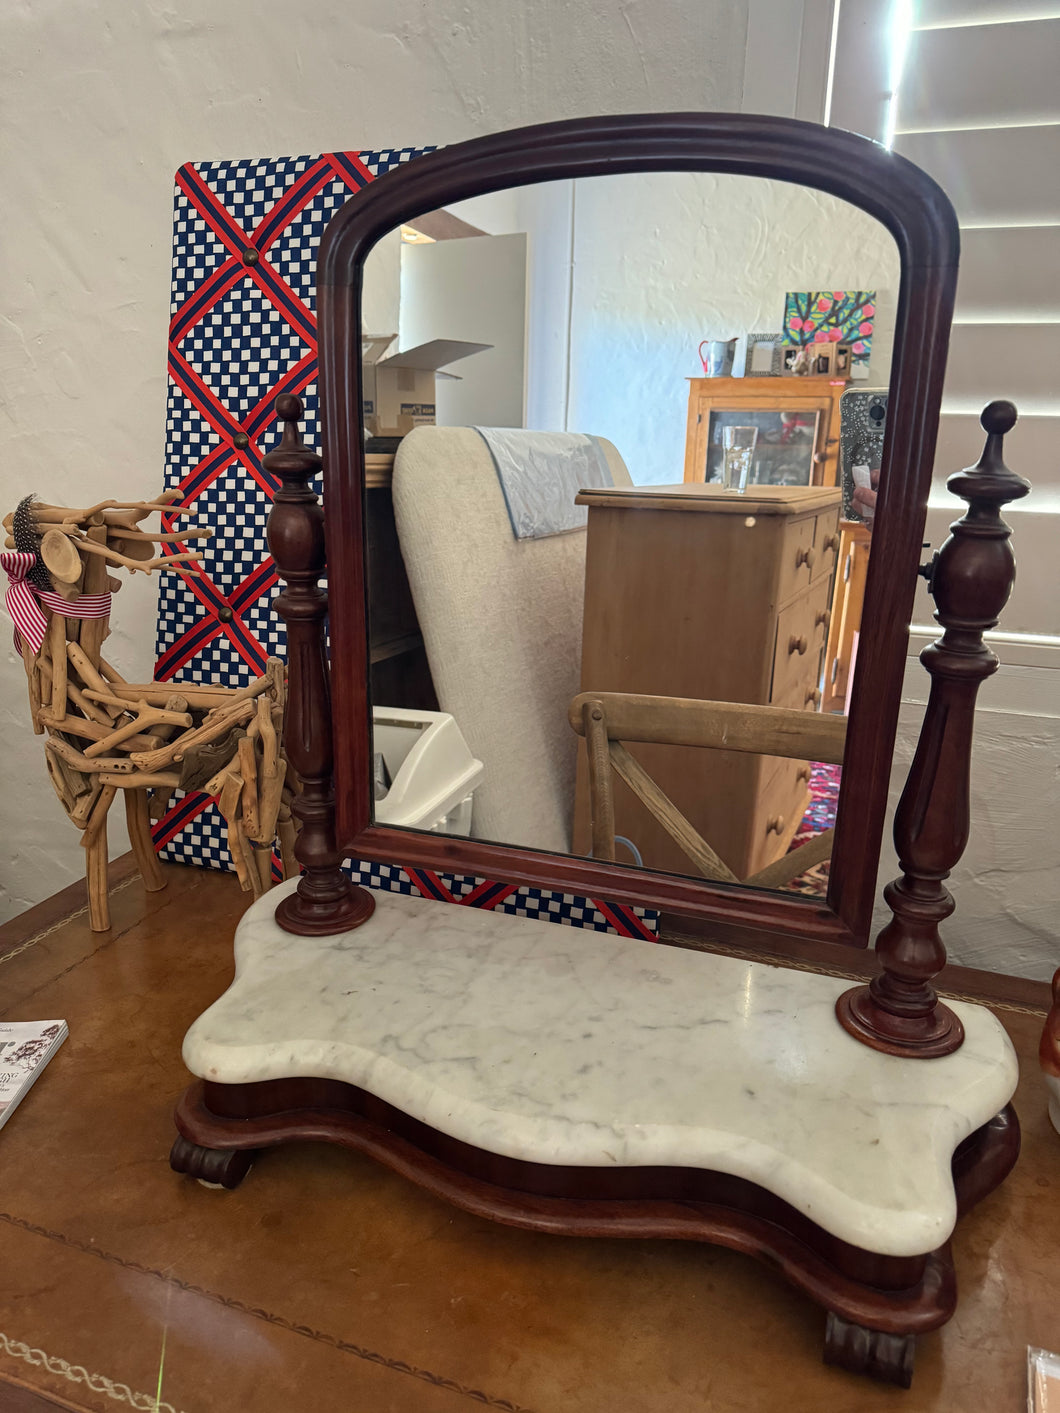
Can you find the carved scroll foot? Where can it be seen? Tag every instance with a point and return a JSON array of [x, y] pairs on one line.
[[888, 1357], [222, 1167]]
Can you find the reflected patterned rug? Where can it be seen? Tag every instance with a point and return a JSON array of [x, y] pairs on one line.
[[820, 815]]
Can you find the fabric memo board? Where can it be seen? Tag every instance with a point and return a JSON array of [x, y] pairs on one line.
[[243, 330]]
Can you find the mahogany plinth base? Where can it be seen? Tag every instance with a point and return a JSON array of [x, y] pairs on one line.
[[306, 917], [882, 1302], [922, 1038]]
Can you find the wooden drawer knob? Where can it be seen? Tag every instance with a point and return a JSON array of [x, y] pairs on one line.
[[803, 772], [775, 825], [815, 697], [823, 618], [798, 643], [805, 556], [832, 543]]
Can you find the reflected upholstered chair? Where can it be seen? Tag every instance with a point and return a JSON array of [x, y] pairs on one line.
[[502, 625]]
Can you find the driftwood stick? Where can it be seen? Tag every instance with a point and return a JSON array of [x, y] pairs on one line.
[[269, 806], [261, 860], [94, 630], [112, 674], [228, 805], [270, 745], [78, 726], [249, 854], [34, 684], [193, 532], [44, 656], [145, 565], [158, 802], [57, 651], [209, 731], [74, 694], [90, 676], [96, 879], [158, 693], [81, 811], [287, 834], [248, 693], [62, 786], [139, 826], [132, 549], [140, 780], [216, 783], [94, 843], [248, 768], [116, 765], [79, 781], [96, 822], [152, 716], [56, 514]]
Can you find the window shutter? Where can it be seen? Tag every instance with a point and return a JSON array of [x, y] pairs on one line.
[[978, 107]]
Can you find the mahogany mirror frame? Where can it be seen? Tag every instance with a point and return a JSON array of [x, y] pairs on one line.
[[919, 216]]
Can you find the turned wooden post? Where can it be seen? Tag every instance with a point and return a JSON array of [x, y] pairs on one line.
[[326, 901], [899, 1011]]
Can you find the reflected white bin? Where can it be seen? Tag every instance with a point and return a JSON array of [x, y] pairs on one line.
[[433, 774]]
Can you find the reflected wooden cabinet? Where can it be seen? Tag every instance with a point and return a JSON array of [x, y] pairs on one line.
[[693, 591], [797, 420], [854, 540]]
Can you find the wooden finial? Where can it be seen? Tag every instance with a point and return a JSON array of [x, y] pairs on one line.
[[326, 900], [289, 410], [899, 1011]]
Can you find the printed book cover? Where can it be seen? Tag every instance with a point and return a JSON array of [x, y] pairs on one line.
[[25, 1048]]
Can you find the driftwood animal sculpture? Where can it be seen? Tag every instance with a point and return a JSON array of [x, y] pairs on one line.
[[146, 740]]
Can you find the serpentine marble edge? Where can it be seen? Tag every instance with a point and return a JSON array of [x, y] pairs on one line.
[[557, 1045]]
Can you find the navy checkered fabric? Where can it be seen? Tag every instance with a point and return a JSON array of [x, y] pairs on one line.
[[243, 330]]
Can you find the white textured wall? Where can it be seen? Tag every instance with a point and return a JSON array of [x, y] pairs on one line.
[[1007, 885], [104, 99], [665, 260]]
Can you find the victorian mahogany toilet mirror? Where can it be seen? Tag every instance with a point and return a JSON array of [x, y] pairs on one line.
[[502, 1062], [921, 222]]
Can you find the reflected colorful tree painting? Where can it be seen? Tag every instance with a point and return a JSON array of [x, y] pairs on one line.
[[832, 316]]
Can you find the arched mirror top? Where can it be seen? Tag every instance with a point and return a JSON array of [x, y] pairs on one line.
[[911, 205]]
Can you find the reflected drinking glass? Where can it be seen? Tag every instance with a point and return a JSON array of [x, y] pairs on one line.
[[738, 444]]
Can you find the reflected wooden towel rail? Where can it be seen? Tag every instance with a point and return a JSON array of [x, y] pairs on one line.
[[609, 719]]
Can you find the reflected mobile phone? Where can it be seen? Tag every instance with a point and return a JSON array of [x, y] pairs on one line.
[[862, 424]]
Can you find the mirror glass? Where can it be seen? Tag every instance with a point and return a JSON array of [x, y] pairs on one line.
[[702, 361]]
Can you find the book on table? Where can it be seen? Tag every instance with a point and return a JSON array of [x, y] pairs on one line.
[[25, 1048]]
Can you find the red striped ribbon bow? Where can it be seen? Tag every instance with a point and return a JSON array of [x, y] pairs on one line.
[[23, 606]]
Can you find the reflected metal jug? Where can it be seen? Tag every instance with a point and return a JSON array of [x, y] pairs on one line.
[[719, 357]]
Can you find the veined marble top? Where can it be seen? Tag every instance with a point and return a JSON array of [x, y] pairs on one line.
[[559, 1045]]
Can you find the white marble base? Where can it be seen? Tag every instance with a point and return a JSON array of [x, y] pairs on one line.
[[558, 1045]]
